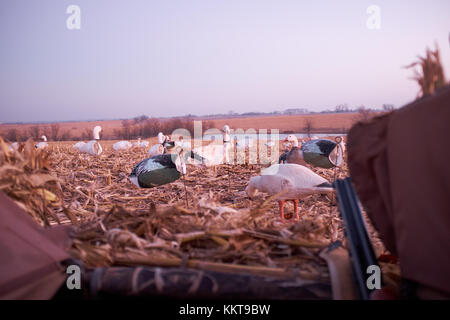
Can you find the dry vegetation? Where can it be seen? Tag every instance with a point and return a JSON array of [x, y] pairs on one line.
[[428, 72], [219, 228]]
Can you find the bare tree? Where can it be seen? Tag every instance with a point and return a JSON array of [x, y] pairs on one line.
[[341, 108], [388, 107], [140, 119], [34, 132], [12, 135], [54, 131], [86, 134], [364, 114], [126, 129], [308, 127], [66, 136]]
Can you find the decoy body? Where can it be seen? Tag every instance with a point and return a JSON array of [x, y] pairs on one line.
[[43, 144], [161, 169], [294, 155], [140, 144], [217, 153], [158, 170], [288, 182], [92, 147], [321, 153], [78, 145], [122, 145]]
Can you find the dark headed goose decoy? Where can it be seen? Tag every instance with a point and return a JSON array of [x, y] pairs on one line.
[[321, 153], [160, 169], [289, 182], [295, 154], [286, 148], [43, 144]]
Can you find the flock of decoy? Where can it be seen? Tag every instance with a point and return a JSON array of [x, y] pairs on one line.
[[289, 180]]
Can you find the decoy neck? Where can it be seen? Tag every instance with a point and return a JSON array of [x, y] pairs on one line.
[[293, 139], [96, 132]]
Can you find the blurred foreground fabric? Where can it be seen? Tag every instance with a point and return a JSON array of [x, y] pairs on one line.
[[400, 167], [30, 255]]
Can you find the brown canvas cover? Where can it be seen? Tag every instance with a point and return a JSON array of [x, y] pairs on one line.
[[400, 167], [30, 255]]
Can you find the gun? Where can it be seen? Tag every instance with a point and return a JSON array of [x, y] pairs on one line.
[[361, 251]]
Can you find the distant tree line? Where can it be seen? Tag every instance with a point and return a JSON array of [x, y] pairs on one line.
[[340, 108], [142, 126], [53, 132], [146, 127]]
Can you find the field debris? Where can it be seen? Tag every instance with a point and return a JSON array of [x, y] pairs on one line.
[[220, 229]]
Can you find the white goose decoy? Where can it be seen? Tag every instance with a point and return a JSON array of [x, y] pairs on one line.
[[78, 145], [227, 146], [122, 145], [212, 153], [164, 143], [93, 147], [290, 181], [43, 144], [217, 153], [140, 144]]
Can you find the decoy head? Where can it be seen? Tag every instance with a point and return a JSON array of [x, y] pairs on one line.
[[161, 138], [178, 159], [291, 138], [251, 190], [96, 132], [44, 138], [226, 129]]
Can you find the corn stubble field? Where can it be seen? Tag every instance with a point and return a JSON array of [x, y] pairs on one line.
[[218, 229]]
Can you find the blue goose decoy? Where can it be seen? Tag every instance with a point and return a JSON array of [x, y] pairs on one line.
[[321, 153], [161, 169], [287, 148]]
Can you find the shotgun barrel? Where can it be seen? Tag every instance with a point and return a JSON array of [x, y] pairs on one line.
[[362, 254]]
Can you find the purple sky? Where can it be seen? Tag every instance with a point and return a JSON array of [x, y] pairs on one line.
[[174, 57]]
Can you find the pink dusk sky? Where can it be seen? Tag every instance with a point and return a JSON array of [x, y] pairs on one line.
[[177, 57]]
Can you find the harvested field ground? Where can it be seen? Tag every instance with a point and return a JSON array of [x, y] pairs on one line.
[[219, 228]]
